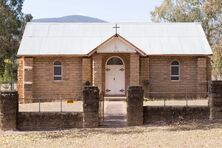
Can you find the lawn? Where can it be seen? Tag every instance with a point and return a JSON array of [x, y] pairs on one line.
[[189, 134]]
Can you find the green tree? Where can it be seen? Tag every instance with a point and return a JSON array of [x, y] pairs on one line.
[[12, 22], [208, 12]]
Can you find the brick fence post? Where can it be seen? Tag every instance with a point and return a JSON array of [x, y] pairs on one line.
[[135, 106], [216, 100], [90, 107], [8, 110]]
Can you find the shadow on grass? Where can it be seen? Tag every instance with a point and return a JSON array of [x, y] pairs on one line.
[[198, 125], [188, 125]]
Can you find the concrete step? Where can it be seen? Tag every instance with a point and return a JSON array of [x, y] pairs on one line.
[[114, 121], [115, 98]]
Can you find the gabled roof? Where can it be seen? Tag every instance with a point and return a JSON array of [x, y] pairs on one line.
[[120, 38], [82, 38]]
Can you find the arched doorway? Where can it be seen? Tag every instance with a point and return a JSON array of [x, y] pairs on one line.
[[115, 76]]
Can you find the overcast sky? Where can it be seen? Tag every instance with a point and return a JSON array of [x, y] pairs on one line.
[[109, 10]]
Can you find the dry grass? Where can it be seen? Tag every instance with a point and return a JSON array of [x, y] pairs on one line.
[[192, 134]]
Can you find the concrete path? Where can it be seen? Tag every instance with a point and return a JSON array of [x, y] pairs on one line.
[[114, 113]]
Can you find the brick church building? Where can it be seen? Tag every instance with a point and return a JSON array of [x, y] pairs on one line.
[[58, 59]]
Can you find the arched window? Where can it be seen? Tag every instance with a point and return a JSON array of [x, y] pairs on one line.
[[115, 61], [175, 70], [57, 70]]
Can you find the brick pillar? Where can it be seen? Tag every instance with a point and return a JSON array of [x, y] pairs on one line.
[[144, 75], [8, 110], [90, 107], [28, 78], [86, 70], [134, 69], [97, 71], [216, 100], [135, 106], [20, 83], [202, 75]]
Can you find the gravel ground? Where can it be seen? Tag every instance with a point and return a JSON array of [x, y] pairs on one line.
[[190, 134]]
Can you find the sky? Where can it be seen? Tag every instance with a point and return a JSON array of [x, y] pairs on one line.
[[108, 10]]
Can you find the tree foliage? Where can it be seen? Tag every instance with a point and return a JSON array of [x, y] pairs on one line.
[[208, 12], [12, 22]]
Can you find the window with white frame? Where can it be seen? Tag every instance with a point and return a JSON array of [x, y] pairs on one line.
[[175, 70], [57, 70]]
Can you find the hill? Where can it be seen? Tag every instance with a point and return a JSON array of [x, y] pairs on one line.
[[71, 19]]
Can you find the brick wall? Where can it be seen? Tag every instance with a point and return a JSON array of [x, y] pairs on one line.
[[202, 75], [154, 70], [25, 78], [97, 71], [70, 86], [20, 84], [48, 120], [90, 107], [215, 100], [134, 70], [174, 113], [159, 75], [28, 78], [8, 110], [86, 70], [135, 106], [144, 74]]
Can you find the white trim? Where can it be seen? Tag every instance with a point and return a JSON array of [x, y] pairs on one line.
[[115, 57], [27, 67], [116, 45], [141, 52], [27, 82], [178, 70]]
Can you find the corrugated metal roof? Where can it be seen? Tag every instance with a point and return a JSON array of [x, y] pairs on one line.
[[81, 38]]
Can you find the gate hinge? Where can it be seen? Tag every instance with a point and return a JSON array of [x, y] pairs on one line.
[[122, 69]]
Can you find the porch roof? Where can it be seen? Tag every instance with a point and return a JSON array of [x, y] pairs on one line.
[[82, 38]]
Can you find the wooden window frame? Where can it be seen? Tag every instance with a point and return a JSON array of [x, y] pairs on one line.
[[57, 76], [175, 76]]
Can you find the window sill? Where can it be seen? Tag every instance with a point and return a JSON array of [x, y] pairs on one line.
[[175, 81], [58, 81]]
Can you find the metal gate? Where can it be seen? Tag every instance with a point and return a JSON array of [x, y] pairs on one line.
[[101, 107]]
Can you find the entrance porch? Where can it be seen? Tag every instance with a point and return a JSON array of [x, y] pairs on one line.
[[114, 73]]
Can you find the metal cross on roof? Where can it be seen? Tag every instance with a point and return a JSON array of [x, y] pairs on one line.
[[116, 27]]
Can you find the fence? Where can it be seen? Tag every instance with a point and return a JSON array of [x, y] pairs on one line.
[[8, 87], [67, 104], [61, 104], [176, 99], [101, 107]]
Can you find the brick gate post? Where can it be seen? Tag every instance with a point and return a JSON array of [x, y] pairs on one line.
[[90, 107], [216, 100], [135, 106], [8, 110]]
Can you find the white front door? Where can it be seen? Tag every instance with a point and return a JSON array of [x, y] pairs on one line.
[[115, 79]]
